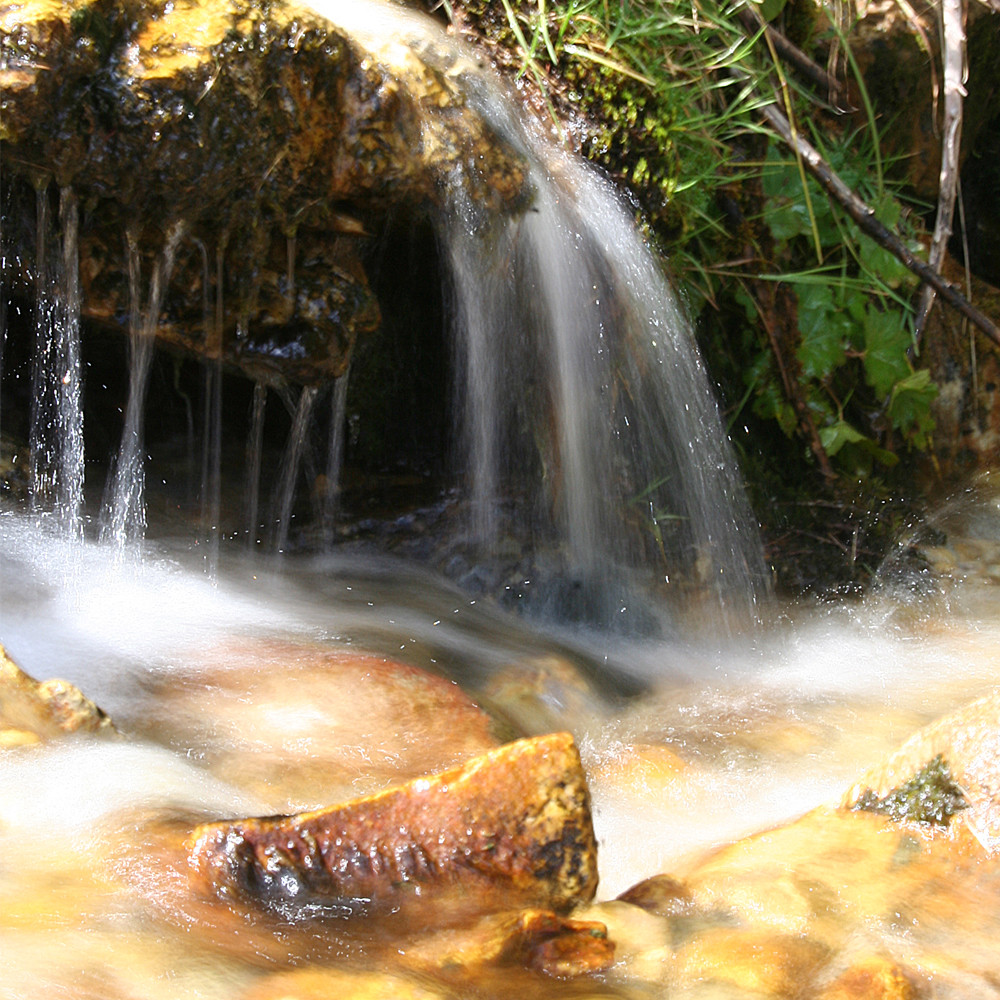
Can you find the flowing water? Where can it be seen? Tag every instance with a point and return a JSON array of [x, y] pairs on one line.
[[687, 743], [219, 681]]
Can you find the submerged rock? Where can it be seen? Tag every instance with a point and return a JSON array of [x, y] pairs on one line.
[[509, 828], [32, 711], [535, 939], [334, 722]]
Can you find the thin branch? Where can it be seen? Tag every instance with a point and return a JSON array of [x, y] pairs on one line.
[[953, 54], [791, 53], [864, 215]]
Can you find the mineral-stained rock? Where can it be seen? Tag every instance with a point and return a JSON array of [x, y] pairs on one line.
[[955, 760], [761, 961], [275, 140], [871, 978], [31, 710], [510, 828]]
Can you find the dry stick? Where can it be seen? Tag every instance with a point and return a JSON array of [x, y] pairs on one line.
[[953, 21], [791, 53], [864, 216]]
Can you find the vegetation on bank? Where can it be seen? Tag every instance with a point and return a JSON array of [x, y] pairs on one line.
[[808, 323]]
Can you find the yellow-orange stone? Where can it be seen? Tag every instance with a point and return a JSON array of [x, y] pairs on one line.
[[510, 828]]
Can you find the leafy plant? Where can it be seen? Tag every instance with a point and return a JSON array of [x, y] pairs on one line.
[[855, 317]]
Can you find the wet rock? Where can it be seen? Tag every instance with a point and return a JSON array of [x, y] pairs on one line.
[[323, 984], [534, 939], [948, 772], [542, 694], [759, 961], [272, 139], [643, 941], [335, 723], [839, 879], [872, 978], [662, 895], [511, 827], [31, 711]]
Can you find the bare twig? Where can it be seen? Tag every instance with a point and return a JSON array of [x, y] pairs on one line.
[[790, 53], [953, 54]]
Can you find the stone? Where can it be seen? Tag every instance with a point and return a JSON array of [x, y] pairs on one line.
[[757, 960], [336, 723], [643, 941], [32, 711], [873, 978], [662, 895], [323, 984], [272, 140], [967, 743], [536, 939], [511, 827]]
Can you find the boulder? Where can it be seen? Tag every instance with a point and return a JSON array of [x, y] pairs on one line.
[[335, 722], [243, 149], [510, 828]]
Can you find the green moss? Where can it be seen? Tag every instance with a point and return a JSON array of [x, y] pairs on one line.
[[930, 796]]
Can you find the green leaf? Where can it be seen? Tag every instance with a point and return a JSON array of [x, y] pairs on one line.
[[886, 342], [825, 329], [770, 9], [855, 450], [834, 437], [910, 407]]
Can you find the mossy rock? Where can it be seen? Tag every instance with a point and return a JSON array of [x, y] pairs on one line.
[[275, 140]]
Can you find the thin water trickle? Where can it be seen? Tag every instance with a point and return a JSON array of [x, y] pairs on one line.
[[335, 455], [56, 428], [255, 450], [125, 517], [284, 496]]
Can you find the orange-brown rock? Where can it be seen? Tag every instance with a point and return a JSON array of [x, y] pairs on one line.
[[31, 710], [967, 742], [759, 960], [509, 828], [325, 984], [535, 939], [662, 894], [872, 978], [334, 722]]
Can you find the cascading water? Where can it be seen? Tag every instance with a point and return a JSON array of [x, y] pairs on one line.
[[584, 405], [56, 436]]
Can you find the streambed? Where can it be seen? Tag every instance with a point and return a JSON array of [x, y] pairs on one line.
[[219, 719]]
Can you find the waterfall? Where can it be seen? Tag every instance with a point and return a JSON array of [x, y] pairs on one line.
[[584, 403], [590, 444]]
